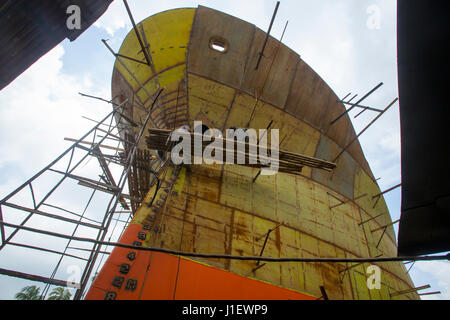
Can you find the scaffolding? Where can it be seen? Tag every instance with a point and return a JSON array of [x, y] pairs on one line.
[[69, 195], [120, 178]]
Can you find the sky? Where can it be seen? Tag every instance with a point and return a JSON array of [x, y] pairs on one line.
[[351, 44]]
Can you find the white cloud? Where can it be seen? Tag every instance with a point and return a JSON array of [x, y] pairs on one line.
[[439, 271], [40, 108], [114, 18], [391, 142]]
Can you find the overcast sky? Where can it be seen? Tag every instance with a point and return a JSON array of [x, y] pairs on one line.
[[351, 44]]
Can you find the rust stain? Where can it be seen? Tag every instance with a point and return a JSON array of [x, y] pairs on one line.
[[278, 240]]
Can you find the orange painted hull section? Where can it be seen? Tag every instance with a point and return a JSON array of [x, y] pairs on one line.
[[163, 276]]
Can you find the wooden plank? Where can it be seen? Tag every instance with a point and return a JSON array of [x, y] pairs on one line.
[[157, 140]]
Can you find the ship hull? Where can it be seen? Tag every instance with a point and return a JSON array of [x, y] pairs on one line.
[[223, 208]]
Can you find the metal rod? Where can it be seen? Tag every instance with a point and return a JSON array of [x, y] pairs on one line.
[[265, 131], [111, 158], [265, 242], [111, 138], [339, 204], [137, 33], [429, 293], [324, 293], [2, 228], [386, 191], [344, 97], [376, 202], [132, 59], [344, 202], [48, 167], [412, 265], [84, 179], [53, 162], [95, 97], [132, 123], [373, 218], [50, 215], [232, 257], [264, 245], [147, 48], [32, 193], [363, 130], [99, 188], [359, 197], [90, 143], [126, 68], [44, 249], [284, 30], [46, 288], [108, 217], [379, 241], [385, 226], [84, 249], [279, 225], [397, 293], [103, 124], [75, 214], [71, 156], [348, 102], [257, 175], [360, 106], [358, 102], [361, 112], [114, 136], [267, 35], [258, 267], [330, 194], [51, 191], [108, 174], [352, 98], [33, 277]]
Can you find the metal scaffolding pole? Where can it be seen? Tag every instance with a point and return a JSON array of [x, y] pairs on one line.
[[48, 167], [35, 210], [261, 54], [234, 257], [112, 206]]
